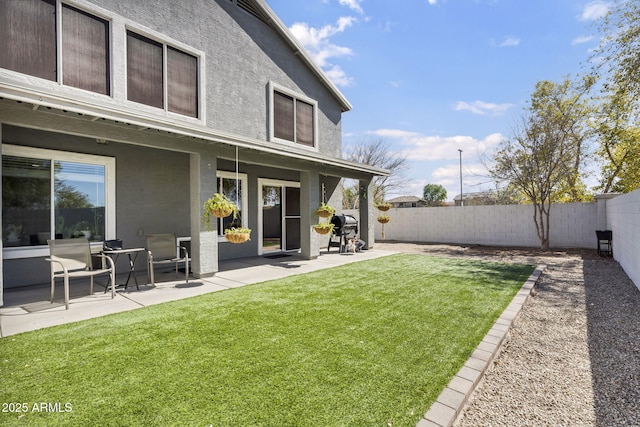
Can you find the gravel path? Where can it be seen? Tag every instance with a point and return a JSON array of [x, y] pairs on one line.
[[573, 354]]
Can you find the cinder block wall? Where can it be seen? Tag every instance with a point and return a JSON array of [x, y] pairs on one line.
[[572, 225], [623, 218]]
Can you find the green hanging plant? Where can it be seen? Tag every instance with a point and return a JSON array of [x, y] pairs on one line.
[[218, 206], [325, 211], [237, 235]]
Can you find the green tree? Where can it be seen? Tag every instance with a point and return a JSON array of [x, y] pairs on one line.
[[434, 194], [542, 159], [566, 107], [618, 103]]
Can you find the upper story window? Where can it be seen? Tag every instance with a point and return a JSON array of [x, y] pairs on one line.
[[161, 76], [293, 118], [29, 34]]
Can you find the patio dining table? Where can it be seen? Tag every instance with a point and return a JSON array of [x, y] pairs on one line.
[[132, 254]]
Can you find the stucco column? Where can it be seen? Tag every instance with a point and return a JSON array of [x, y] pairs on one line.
[[309, 201], [367, 211], [204, 244]]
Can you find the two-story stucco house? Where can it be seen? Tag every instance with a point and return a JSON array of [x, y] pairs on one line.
[[120, 118]]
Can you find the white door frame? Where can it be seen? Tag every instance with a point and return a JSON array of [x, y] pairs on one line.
[[273, 183]]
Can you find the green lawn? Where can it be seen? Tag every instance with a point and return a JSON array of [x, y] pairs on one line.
[[365, 344]]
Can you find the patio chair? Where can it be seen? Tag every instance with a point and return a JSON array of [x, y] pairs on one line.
[[605, 246], [71, 258], [164, 249]]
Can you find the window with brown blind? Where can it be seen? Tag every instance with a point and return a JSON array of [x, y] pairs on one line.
[[28, 35], [144, 70], [182, 82], [293, 119], [85, 51], [145, 76]]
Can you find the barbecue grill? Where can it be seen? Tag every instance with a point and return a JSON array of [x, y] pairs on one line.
[[344, 227]]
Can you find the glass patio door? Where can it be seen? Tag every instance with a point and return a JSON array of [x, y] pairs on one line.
[[280, 216]]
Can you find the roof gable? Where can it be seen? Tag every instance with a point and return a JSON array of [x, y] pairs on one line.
[[261, 10]]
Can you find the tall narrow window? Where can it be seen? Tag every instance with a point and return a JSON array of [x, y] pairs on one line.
[[304, 123], [293, 119], [144, 70], [182, 82], [26, 201], [85, 51], [28, 37], [234, 190], [283, 119], [79, 191]]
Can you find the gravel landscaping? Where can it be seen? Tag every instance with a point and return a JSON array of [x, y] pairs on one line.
[[572, 356]]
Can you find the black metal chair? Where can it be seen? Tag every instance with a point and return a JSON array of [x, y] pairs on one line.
[[605, 246]]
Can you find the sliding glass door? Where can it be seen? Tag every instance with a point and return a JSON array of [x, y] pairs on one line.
[[279, 216]]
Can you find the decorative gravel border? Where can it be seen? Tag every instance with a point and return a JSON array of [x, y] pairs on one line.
[[451, 402]]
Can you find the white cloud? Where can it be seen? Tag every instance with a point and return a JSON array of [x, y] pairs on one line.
[[338, 76], [318, 44], [483, 108], [581, 39], [595, 10], [426, 147], [353, 5], [510, 41], [432, 2]]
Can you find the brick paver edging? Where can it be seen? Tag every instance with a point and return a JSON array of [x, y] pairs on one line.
[[451, 401]]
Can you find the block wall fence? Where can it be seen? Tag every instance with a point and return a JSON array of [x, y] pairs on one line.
[[572, 225]]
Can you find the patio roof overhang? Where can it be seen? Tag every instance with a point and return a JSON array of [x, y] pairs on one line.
[[144, 122]]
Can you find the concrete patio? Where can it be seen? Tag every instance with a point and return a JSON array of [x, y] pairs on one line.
[[27, 309]]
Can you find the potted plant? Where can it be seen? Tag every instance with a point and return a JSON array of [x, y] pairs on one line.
[[323, 227], [383, 207], [383, 219], [325, 211], [219, 206], [237, 235]]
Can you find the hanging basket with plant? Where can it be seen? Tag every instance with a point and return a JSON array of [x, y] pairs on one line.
[[218, 206], [383, 219], [325, 211], [323, 228], [237, 235], [383, 207]]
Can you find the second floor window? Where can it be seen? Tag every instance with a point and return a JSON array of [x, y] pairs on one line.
[[293, 119], [29, 31], [161, 76]]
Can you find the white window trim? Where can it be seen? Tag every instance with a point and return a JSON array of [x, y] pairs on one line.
[[109, 164], [242, 177], [273, 87]]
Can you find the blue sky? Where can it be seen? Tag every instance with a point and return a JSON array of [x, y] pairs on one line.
[[430, 77]]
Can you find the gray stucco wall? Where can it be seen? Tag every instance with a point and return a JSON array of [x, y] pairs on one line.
[[243, 55], [152, 191]]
